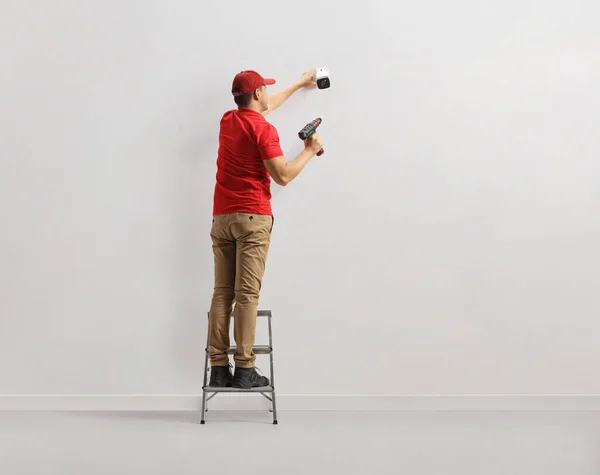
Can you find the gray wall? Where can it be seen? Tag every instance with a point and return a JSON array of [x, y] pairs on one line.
[[447, 242]]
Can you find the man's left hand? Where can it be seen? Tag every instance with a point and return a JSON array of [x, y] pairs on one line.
[[307, 78]]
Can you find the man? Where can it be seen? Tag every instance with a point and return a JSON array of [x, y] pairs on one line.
[[249, 156]]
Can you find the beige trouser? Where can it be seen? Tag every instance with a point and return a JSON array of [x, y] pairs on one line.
[[240, 246]]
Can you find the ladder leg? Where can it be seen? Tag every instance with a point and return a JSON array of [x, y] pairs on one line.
[[274, 409], [205, 381], [274, 404], [202, 421]]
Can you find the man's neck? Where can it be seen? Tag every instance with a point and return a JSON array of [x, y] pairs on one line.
[[254, 107]]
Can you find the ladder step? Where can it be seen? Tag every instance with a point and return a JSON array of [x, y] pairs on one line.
[[265, 389], [258, 350]]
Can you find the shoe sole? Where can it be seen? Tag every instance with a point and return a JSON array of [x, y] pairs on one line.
[[239, 386]]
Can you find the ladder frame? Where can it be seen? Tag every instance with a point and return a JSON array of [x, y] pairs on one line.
[[208, 393]]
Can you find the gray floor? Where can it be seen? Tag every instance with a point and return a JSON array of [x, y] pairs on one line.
[[412, 443]]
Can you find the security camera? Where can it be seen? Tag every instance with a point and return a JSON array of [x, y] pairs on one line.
[[321, 77]]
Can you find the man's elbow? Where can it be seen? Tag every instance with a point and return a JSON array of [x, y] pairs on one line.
[[281, 180]]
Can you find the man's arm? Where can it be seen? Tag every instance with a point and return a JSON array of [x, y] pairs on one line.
[[278, 98], [284, 172]]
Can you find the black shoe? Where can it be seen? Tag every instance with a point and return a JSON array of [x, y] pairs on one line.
[[221, 377], [247, 378]]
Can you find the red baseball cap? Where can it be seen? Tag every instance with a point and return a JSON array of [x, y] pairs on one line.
[[248, 81]]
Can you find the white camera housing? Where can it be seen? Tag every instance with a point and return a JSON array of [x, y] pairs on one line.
[[321, 77]]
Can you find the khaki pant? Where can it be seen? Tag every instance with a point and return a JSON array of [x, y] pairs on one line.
[[240, 246]]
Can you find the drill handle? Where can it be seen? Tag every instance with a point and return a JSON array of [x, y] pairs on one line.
[[320, 152]]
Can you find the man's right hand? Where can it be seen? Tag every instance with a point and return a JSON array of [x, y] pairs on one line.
[[313, 143], [284, 172]]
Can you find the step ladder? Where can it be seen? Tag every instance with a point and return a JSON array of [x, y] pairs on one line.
[[268, 391]]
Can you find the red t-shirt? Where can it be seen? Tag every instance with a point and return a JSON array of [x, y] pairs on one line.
[[243, 182]]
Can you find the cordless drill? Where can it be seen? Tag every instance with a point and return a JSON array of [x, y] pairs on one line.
[[310, 129]]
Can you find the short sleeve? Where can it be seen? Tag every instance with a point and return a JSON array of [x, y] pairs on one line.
[[267, 141]]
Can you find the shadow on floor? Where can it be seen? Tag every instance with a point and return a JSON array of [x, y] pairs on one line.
[[181, 417]]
